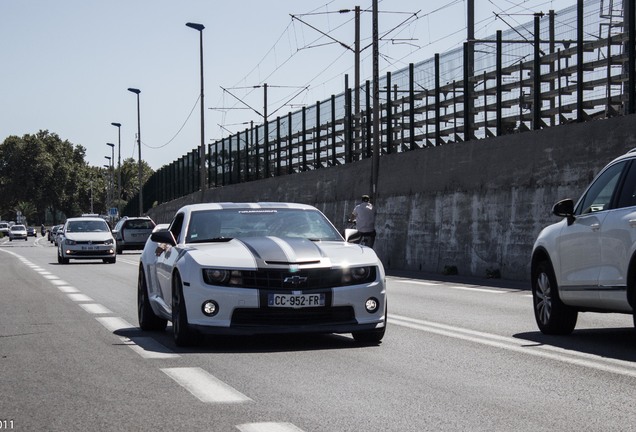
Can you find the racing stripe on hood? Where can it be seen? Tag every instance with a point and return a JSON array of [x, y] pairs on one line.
[[276, 250]]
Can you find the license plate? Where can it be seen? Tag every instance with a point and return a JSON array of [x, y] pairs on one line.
[[89, 248], [296, 300]]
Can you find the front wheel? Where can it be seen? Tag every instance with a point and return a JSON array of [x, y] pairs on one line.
[[181, 332], [60, 259], [371, 337], [147, 319], [552, 315]]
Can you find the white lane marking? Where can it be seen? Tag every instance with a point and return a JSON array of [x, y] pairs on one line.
[[456, 287], [268, 427], [58, 282], [149, 348], [68, 289], [522, 346], [79, 297], [95, 308], [207, 388], [50, 276], [127, 261], [114, 323]]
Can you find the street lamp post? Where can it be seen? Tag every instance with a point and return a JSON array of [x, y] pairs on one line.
[[109, 187], [112, 174], [202, 165], [118, 125], [141, 207]]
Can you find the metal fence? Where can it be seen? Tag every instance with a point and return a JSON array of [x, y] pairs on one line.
[[570, 66]]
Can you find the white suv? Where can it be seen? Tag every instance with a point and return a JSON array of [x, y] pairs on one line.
[[587, 262]]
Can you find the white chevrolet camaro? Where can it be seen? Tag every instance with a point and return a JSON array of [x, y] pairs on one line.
[[266, 268]]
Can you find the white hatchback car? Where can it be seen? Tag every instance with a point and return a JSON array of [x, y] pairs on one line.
[[587, 262], [86, 238], [18, 232]]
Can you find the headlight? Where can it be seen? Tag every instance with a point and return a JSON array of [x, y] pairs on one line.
[[109, 242], [358, 275], [70, 242], [222, 277]]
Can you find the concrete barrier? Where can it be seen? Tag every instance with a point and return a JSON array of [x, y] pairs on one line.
[[476, 206]]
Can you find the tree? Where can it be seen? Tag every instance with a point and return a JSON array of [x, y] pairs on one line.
[[45, 173]]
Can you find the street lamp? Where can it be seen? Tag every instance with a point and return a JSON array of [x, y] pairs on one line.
[[202, 166], [141, 207], [118, 125], [112, 171]]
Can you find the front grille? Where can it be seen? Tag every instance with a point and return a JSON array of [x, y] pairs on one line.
[[293, 317], [305, 279], [88, 253], [92, 242]]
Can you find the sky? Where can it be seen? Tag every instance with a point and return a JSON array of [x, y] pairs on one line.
[[66, 65]]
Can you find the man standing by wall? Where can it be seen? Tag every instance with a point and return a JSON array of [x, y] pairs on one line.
[[364, 215]]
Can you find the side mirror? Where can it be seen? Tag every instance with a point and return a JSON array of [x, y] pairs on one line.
[[163, 236], [565, 208], [352, 235]]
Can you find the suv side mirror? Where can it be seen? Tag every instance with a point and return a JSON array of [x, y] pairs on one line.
[[565, 208]]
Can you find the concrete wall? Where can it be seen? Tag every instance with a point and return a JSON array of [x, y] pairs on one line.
[[477, 205]]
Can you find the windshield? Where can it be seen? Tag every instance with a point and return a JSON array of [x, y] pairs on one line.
[[87, 226], [219, 225]]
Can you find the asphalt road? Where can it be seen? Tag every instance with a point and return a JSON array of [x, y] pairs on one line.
[[458, 356]]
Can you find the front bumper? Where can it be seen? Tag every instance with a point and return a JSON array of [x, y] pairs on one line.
[[99, 252], [245, 311]]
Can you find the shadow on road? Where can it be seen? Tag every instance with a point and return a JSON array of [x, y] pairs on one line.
[[617, 343], [241, 344]]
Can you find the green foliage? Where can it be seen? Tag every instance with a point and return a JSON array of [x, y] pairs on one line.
[[42, 174]]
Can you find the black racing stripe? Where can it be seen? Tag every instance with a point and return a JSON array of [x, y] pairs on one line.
[[264, 248], [268, 250], [305, 250]]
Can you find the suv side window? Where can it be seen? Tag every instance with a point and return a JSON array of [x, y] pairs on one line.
[[627, 196], [599, 195]]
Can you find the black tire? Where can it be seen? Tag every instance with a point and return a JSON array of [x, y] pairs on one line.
[[552, 315], [148, 321], [110, 260], [181, 332], [371, 337], [61, 260], [119, 250]]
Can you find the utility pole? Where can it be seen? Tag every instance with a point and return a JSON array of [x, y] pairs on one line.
[[375, 164], [356, 90]]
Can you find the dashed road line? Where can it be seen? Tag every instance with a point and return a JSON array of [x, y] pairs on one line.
[[95, 309], [204, 386], [268, 427]]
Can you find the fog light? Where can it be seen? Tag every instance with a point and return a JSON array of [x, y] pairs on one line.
[[371, 305], [210, 308]]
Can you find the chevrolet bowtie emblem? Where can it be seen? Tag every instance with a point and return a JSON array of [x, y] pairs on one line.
[[295, 280]]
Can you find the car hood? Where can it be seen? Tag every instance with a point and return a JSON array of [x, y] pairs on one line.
[[88, 236], [277, 252]]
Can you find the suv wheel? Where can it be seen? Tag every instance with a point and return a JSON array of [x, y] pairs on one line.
[[551, 314]]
